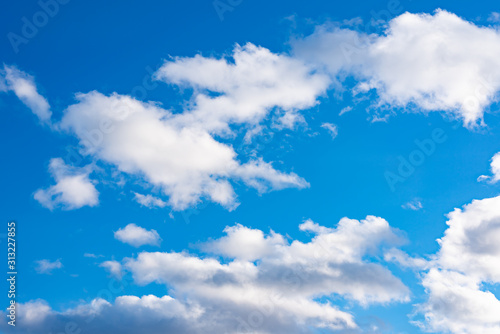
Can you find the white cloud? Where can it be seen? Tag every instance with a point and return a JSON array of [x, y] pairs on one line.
[[47, 266], [73, 188], [23, 85], [470, 243], [149, 201], [248, 89], [185, 161], [244, 243], [265, 285], [262, 176], [434, 62], [458, 304], [458, 298], [137, 236], [414, 205], [268, 272], [91, 255], [345, 110], [114, 268], [331, 128], [150, 314], [495, 170]]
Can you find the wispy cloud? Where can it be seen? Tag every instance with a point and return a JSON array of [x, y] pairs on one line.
[[47, 266], [331, 128], [414, 204]]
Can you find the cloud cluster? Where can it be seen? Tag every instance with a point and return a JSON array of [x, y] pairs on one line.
[[128, 315], [147, 141], [260, 284], [422, 62], [73, 188]]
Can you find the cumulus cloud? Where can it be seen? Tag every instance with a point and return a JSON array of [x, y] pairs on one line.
[[244, 243], [137, 236], [47, 266], [127, 314], [73, 188], [458, 299], [266, 270], [149, 201], [425, 62], [265, 284], [114, 268], [184, 160], [247, 88], [24, 87]]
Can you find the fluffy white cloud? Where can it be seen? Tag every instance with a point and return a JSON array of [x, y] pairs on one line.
[[434, 62], [114, 268], [73, 188], [149, 201], [185, 161], [495, 170], [265, 285], [128, 314], [268, 272], [47, 266], [247, 88], [470, 244], [137, 236], [458, 301], [23, 85], [244, 243]]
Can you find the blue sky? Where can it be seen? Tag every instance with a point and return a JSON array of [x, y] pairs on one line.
[[216, 129]]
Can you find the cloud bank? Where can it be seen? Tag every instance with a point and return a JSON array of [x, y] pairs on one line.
[[265, 284]]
